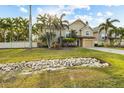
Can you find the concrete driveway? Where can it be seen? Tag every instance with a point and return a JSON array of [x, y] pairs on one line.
[[110, 50]]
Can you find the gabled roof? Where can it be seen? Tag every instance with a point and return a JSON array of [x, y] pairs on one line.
[[85, 25], [78, 20]]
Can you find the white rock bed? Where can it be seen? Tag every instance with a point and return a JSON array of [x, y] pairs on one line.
[[52, 64]]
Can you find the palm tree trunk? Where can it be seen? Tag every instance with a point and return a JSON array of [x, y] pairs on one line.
[[4, 37], [60, 39], [106, 39], [120, 42], [50, 40], [47, 39], [17, 36]]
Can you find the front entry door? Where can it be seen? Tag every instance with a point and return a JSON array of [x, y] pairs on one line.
[[78, 42]]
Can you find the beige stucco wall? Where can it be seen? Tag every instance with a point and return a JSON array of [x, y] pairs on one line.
[[77, 26], [85, 29], [96, 37]]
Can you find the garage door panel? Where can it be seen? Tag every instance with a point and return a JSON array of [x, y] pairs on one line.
[[88, 43]]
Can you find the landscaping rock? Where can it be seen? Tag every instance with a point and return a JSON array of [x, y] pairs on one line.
[[52, 64]]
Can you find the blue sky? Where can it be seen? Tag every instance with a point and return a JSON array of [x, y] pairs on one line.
[[94, 14]]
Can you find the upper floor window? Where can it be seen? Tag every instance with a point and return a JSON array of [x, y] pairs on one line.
[[102, 36], [87, 33], [67, 34]]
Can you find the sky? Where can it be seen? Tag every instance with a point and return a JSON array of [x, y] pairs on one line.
[[94, 14]]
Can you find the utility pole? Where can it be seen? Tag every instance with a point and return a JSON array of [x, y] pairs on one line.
[[30, 27]]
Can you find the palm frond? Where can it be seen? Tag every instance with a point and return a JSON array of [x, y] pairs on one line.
[[61, 17], [115, 20], [101, 29]]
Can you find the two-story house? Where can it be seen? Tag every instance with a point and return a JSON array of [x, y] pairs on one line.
[[84, 32]]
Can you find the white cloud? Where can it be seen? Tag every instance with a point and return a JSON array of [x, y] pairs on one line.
[[104, 14], [99, 14], [109, 13], [81, 7], [24, 10], [61, 9], [84, 17], [70, 10], [100, 20], [52, 10]]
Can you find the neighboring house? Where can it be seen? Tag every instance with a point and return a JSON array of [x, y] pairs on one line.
[[84, 32], [100, 37]]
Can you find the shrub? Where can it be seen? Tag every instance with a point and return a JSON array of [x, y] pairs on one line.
[[69, 40], [55, 45], [42, 44]]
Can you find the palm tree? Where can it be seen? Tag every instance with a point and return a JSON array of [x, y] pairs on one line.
[[113, 33], [107, 26], [1, 30], [37, 29], [6, 27], [47, 25], [51, 27], [24, 29], [62, 25], [17, 27], [121, 34], [10, 29], [42, 23]]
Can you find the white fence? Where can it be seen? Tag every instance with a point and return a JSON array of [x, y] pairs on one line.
[[17, 44]]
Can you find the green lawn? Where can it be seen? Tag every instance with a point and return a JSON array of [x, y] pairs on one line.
[[112, 76], [120, 48]]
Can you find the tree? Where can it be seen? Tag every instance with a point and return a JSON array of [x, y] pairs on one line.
[[6, 27], [37, 30], [17, 27], [46, 37], [1, 30], [42, 25], [13, 29], [72, 34], [62, 24], [107, 26], [24, 30], [112, 36], [10, 33], [46, 24], [121, 35]]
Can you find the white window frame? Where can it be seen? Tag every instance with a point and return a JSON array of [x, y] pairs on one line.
[[87, 33]]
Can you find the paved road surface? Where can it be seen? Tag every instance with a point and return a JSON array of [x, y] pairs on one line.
[[110, 50]]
